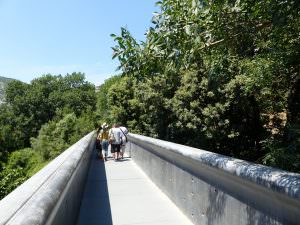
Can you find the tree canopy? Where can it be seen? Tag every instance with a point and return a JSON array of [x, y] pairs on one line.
[[220, 75], [40, 120], [29, 106]]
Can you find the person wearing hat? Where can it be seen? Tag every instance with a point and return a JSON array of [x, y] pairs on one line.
[[103, 137]]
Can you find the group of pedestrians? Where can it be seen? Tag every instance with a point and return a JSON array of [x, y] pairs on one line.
[[115, 137]]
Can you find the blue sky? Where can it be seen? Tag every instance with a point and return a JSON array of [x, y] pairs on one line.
[[63, 36]]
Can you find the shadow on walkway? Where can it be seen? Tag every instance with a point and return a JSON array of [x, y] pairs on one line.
[[95, 205]]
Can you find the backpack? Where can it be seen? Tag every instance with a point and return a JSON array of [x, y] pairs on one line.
[[124, 135]]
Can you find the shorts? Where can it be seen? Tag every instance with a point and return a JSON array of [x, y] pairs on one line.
[[115, 148]]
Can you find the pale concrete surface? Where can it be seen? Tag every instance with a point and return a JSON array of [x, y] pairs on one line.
[[212, 189], [119, 193]]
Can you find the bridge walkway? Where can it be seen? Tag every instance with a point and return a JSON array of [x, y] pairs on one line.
[[119, 193]]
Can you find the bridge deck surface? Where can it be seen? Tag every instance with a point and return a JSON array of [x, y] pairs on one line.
[[119, 193]]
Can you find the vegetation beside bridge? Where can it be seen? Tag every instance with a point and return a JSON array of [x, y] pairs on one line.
[[218, 75], [39, 120]]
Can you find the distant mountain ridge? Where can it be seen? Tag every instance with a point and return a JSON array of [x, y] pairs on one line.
[[3, 82]]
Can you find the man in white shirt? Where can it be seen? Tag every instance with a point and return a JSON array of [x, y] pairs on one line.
[[115, 140]]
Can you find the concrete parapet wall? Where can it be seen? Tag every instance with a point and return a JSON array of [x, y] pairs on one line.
[[214, 189], [53, 195]]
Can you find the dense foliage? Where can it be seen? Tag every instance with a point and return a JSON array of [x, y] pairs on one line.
[[219, 75], [42, 119]]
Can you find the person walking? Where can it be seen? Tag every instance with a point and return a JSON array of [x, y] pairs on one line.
[[103, 137], [124, 132], [115, 141], [98, 145]]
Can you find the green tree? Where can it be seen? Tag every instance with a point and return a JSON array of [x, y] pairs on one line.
[[103, 106], [218, 75], [29, 106]]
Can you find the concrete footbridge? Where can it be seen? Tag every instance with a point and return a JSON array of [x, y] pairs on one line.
[[162, 183]]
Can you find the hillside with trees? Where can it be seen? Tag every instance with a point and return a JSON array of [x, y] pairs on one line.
[[3, 82], [218, 75], [40, 120]]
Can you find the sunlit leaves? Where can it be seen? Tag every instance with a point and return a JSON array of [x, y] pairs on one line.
[[236, 65]]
